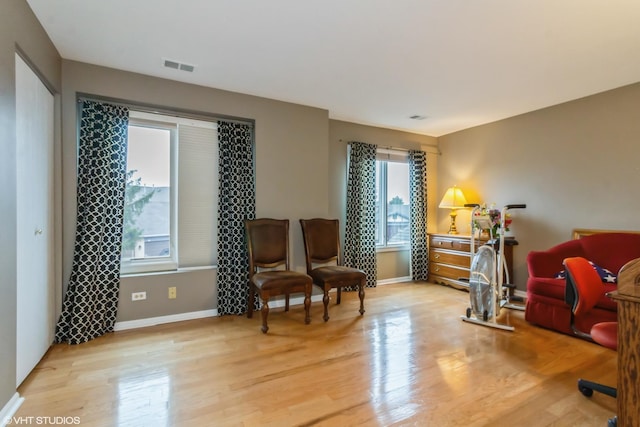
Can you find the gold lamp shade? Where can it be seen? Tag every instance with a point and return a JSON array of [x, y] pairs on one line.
[[453, 199]]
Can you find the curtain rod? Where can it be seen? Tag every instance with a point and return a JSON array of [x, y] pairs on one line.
[[430, 149], [178, 112]]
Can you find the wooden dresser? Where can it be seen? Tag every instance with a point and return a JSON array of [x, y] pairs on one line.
[[450, 258], [628, 297]]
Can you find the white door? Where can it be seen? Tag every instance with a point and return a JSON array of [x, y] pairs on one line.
[[34, 185]]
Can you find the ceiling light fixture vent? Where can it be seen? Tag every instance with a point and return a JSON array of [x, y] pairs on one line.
[[170, 63], [417, 117]]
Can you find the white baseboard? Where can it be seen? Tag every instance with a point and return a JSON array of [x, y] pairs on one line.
[[9, 410], [521, 294], [276, 303], [394, 280], [152, 321]]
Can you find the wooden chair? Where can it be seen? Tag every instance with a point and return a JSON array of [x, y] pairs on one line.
[[269, 273], [322, 247]]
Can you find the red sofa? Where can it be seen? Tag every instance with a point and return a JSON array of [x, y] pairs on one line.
[[545, 304]]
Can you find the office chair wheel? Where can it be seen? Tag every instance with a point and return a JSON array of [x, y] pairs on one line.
[[485, 315], [586, 391], [468, 312]]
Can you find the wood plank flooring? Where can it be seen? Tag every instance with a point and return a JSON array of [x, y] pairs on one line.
[[409, 360]]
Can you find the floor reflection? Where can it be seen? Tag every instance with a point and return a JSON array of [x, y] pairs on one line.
[[144, 399], [393, 373]]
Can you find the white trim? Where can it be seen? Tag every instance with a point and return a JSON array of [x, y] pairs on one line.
[[394, 280], [10, 409], [299, 300], [276, 303], [152, 321], [521, 294]]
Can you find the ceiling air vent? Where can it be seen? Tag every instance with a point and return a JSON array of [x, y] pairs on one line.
[[169, 63]]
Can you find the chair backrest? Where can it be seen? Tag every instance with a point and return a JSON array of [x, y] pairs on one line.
[[584, 286], [321, 241], [267, 243]]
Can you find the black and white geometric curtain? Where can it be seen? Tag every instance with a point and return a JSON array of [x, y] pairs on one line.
[[91, 301], [360, 234], [418, 209], [236, 202]]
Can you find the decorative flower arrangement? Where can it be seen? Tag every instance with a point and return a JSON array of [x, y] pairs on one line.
[[490, 216]]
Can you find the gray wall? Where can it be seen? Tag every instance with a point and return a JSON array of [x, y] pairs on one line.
[[575, 165], [18, 30], [291, 170], [390, 264]]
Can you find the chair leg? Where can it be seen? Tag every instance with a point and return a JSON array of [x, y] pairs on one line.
[[307, 305], [250, 302], [325, 300], [339, 296], [265, 314], [361, 295], [286, 302]]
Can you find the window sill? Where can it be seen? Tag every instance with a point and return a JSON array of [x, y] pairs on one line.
[[392, 248], [164, 272]]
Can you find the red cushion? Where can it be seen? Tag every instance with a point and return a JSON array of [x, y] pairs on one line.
[[606, 334]]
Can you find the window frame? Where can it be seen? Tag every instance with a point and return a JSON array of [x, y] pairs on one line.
[[383, 157], [161, 263]]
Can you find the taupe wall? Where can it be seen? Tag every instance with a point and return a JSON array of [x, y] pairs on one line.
[[390, 264], [291, 168], [20, 30], [575, 165]]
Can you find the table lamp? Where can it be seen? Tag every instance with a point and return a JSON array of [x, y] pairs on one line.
[[453, 199]]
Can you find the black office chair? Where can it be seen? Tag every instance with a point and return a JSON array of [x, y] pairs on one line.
[[584, 288]]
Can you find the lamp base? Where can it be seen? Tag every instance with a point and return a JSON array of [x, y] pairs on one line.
[[452, 226]]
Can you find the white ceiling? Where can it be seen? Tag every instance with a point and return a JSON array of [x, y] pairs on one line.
[[461, 63]]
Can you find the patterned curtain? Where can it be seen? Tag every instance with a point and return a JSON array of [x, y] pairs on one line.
[[91, 301], [360, 238], [418, 206], [236, 202]]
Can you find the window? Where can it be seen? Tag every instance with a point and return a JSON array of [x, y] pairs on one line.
[[392, 199], [171, 194]]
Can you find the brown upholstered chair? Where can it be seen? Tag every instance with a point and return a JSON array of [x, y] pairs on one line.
[[324, 261], [269, 273]]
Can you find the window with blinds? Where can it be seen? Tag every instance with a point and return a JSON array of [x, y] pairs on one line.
[[172, 193]]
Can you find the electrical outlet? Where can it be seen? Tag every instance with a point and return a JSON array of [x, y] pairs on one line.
[[172, 292], [138, 296]]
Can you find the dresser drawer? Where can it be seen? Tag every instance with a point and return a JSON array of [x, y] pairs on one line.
[[454, 244], [449, 271], [456, 258]]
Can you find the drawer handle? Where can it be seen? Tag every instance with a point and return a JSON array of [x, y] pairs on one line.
[[436, 256], [437, 269], [440, 243]]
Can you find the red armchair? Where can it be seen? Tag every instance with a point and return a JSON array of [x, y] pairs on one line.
[[546, 305]]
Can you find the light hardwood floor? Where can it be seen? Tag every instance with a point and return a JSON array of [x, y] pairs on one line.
[[409, 360]]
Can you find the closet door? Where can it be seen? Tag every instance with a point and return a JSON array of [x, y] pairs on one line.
[[34, 184]]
